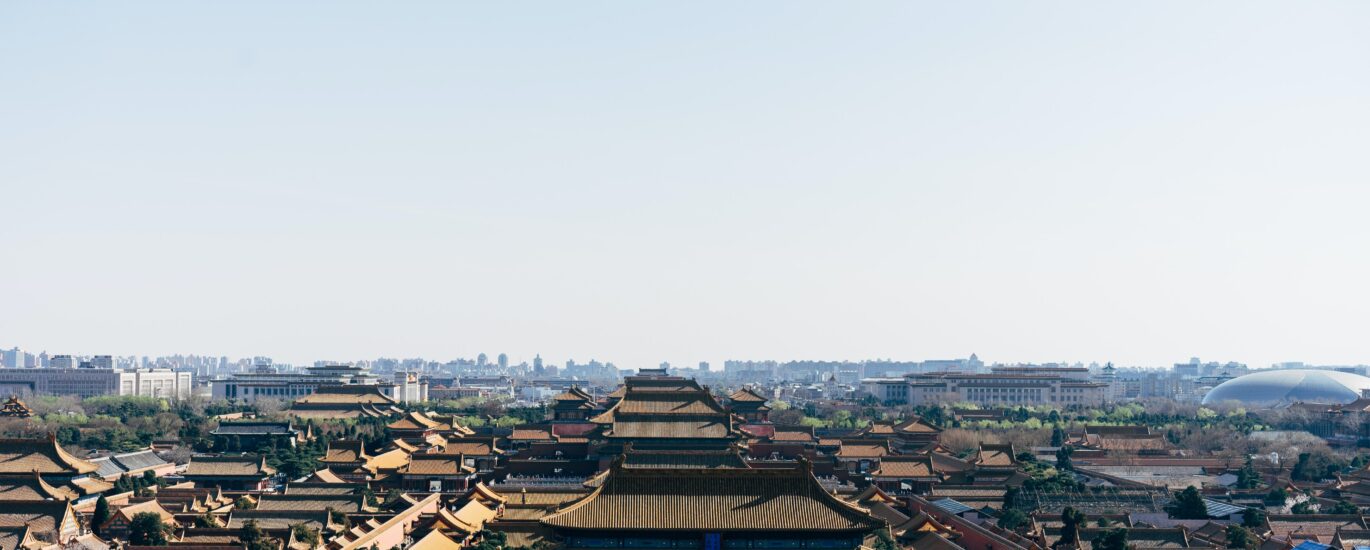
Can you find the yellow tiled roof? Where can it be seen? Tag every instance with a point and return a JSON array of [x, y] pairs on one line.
[[417, 420], [389, 460], [32, 487], [530, 434], [346, 394], [42, 455], [151, 506], [746, 395], [435, 464], [862, 450], [345, 450], [228, 466], [905, 466], [40, 516], [713, 500], [326, 476], [435, 540]]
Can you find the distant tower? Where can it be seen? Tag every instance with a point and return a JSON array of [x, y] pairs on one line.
[[537, 361], [503, 361], [482, 360]]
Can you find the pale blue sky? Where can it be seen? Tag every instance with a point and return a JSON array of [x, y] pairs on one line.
[[644, 181]]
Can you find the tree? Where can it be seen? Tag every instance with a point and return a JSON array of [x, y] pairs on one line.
[[1188, 504], [491, 540], [1058, 436], [1071, 521], [1316, 466], [1012, 519], [101, 514], [884, 541], [243, 503], [1277, 496], [1344, 507], [1253, 518], [1241, 538], [788, 417], [338, 517], [1304, 508], [205, 521], [147, 529], [1247, 477], [1112, 539], [1063, 458], [254, 538], [302, 532]]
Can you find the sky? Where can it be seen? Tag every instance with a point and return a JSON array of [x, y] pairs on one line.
[[637, 182]]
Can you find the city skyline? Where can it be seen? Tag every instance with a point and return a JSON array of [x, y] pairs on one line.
[[493, 360], [655, 182]]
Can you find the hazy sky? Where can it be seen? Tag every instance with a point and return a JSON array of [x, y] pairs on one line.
[[1137, 182]]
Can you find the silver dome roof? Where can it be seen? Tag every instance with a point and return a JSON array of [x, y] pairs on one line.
[[1273, 388]]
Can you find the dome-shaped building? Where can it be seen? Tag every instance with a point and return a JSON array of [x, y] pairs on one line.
[[1274, 388]]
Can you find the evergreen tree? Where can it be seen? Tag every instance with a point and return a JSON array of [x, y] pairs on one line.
[[205, 521], [1344, 507], [1112, 539], [101, 514], [1010, 497], [1277, 496], [1058, 436], [1253, 518], [1071, 521], [147, 529], [1247, 477], [884, 541], [254, 538], [1012, 519], [491, 540], [1063, 458], [302, 532], [1240, 538], [1188, 504]]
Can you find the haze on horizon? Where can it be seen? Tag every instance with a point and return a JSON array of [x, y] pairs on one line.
[[639, 182]]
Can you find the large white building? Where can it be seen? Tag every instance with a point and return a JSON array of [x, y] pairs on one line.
[[267, 383], [1003, 386], [88, 382]]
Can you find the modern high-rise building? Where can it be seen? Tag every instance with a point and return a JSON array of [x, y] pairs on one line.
[[15, 359], [62, 362]]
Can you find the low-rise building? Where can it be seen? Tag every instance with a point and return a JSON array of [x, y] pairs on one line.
[[90, 382], [235, 473]]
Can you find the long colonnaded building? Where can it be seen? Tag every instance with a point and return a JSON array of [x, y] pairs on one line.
[[1012, 386]]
